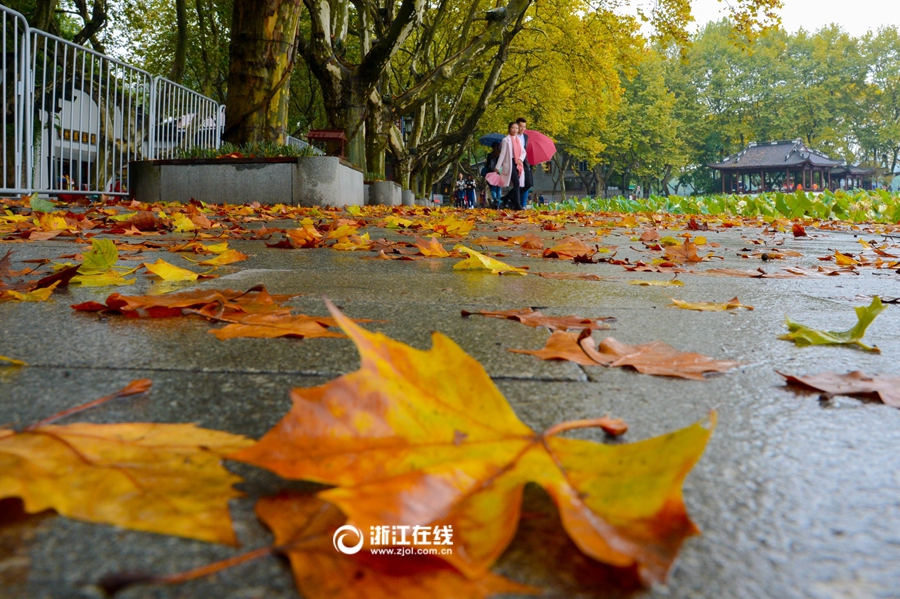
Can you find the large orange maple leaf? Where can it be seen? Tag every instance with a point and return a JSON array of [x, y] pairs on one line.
[[425, 437]]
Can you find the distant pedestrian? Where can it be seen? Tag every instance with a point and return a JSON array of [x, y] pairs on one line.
[[490, 166], [529, 175], [470, 191], [459, 192]]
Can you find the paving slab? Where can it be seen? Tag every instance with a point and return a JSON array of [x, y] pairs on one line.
[[796, 495]]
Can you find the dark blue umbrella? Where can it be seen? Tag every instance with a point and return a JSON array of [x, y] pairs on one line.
[[490, 139]]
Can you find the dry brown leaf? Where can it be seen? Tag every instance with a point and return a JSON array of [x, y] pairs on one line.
[[570, 248], [536, 318], [884, 386], [563, 346], [272, 326], [19, 532], [224, 303], [657, 358], [732, 304], [5, 266], [529, 241], [686, 252]]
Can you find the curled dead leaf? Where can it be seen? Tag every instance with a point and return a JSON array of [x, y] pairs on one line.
[[656, 357], [883, 386]]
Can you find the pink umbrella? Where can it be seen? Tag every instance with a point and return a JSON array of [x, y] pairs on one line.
[[540, 148]]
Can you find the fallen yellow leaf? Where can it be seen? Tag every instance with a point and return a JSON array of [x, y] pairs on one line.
[[844, 259], [227, 257], [107, 279], [163, 478], [170, 272], [478, 261], [38, 295], [431, 248]]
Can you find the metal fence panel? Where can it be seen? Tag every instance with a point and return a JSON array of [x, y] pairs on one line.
[[90, 117], [299, 143], [182, 119], [74, 118], [15, 175], [221, 123]]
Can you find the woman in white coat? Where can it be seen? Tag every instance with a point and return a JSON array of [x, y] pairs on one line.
[[510, 170]]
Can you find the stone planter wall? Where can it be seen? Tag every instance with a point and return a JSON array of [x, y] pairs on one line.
[[308, 181], [385, 193], [408, 197]]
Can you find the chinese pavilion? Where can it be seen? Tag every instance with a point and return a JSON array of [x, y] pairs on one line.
[[763, 166]]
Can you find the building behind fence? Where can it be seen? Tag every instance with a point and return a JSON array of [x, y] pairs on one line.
[[74, 118]]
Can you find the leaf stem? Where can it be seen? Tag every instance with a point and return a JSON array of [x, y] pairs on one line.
[[116, 583], [574, 425], [213, 567], [133, 388]]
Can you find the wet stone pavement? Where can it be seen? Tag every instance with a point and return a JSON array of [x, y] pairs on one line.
[[796, 495]]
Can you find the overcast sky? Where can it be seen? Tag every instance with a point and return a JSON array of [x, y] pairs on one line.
[[855, 16]]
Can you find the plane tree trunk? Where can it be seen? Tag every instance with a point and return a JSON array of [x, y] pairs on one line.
[[262, 54]]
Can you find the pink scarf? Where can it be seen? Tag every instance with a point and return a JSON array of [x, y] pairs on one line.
[[516, 151]]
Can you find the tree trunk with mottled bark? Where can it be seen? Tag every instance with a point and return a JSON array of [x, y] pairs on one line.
[[263, 34], [44, 10]]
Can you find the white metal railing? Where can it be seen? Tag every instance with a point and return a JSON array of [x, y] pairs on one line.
[[15, 176], [88, 118], [74, 118], [299, 143], [182, 119]]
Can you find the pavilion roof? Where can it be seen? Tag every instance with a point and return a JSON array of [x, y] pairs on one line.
[[776, 155], [856, 171]]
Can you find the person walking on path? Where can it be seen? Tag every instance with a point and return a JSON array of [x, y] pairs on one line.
[[510, 168], [529, 175], [490, 166], [459, 192], [470, 191]]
